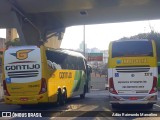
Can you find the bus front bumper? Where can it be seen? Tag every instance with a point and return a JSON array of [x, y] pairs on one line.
[[133, 99]]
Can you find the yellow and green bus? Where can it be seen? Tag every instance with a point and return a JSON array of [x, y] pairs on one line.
[[33, 75], [132, 72]]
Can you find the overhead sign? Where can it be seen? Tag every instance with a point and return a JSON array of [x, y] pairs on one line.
[[95, 57]]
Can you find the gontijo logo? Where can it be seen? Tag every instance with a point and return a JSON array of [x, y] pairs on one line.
[[22, 54]]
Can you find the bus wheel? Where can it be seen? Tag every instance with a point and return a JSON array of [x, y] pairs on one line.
[[64, 97], [59, 97], [82, 96]]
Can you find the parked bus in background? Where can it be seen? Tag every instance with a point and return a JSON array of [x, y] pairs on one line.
[[33, 75], [159, 75], [132, 72]]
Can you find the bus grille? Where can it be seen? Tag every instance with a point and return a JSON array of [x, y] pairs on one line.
[[23, 74], [132, 69]]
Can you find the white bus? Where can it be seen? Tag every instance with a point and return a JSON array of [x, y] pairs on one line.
[[132, 72]]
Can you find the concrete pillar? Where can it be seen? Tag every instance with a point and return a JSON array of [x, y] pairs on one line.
[[11, 34], [53, 42]]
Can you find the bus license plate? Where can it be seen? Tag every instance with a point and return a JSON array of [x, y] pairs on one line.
[[133, 98], [24, 99]]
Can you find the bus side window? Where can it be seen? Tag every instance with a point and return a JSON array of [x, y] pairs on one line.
[[69, 62], [57, 59], [78, 66], [65, 63], [78, 63], [81, 64], [74, 63]]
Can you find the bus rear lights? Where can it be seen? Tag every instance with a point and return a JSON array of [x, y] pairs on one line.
[[43, 90], [111, 86], [154, 85], [43, 86], [111, 89], [5, 88]]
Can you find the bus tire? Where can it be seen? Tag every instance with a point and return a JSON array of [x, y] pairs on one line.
[[64, 97], [59, 97], [82, 96]]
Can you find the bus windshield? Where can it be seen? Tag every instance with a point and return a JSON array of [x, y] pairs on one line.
[[132, 49]]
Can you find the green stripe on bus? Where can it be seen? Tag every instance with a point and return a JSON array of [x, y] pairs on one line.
[[77, 80]]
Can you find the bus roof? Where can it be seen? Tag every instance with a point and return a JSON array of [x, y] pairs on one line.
[[26, 46], [68, 52], [122, 40]]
